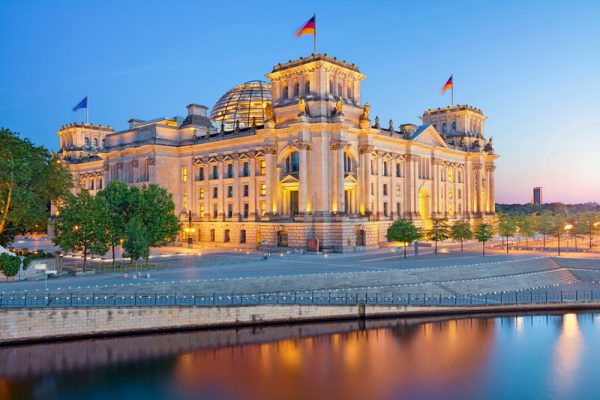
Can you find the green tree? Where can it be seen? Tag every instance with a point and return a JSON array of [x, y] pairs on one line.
[[484, 232], [556, 228], [136, 239], [461, 230], [589, 223], [155, 209], [30, 178], [507, 227], [403, 231], [545, 224], [527, 225], [9, 264], [119, 200], [82, 225], [439, 231]]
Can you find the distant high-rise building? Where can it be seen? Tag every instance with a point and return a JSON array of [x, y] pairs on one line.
[[537, 196]]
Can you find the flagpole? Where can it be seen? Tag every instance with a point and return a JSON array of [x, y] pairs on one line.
[[315, 38], [452, 90], [87, 111]]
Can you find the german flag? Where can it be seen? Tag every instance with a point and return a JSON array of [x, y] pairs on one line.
[[448, 85], [309, 28]]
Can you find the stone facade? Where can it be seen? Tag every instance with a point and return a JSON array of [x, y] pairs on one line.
[[317, 166]]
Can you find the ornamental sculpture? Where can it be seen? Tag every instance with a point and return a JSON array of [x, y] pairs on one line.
[[303, 107], [365, 113], [269, 111]]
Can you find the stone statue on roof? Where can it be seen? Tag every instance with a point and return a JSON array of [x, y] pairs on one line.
[[303, 106], [366, 111], [377, 122], [269, 111]]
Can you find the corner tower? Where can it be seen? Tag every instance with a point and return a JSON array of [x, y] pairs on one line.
[[321, 82]]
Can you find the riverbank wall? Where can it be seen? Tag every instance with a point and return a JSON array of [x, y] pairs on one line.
[[21, 325]]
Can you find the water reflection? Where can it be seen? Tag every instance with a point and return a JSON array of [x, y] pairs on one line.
[[567, 354], [388, 359]]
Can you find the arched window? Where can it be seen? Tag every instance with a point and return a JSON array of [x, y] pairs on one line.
[[292, 163], [454, 127], [444, 127], [285, 94], [307, 87], [87, 142], [95, 142], [297, 89], [103, 142], [340, 92]]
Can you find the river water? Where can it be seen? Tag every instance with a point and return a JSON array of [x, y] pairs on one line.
[[554, 356]]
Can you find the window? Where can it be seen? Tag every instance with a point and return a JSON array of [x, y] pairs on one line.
[[263, 209], [212, 235], [215, 192], [397, 190], [184, 174], [200, 174], [282, 239], [263, 189], [185, 201], [451, 175], [215, 210], [340, 92], [95, 142], [307, 87], [459, 194], [246, 190], [454, 127], [87, 142], [296, 89], [229, 191], [331, 86], [444, 127], [246, 210], [201, 193], [92, 184], [385, 189], [246, 169], [398, 170], [243, 236], [229, 170], [99, 183], [292, 163], [285, 93], [385, 209], [398, 209], [385, 168], [215, 172], [373, 167], [201, 210], [372, 189], [263, 167], [103, 142], [347, 163], [229, 210], [349, 92], [360, 237]]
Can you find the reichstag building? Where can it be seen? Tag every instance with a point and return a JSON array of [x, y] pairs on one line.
[[296, 161]]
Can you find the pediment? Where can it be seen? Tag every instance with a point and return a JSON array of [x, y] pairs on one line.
[[428, 135], [290, 179], [350, 178]]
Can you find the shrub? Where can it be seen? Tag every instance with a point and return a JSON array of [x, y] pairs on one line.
[[9, 264]]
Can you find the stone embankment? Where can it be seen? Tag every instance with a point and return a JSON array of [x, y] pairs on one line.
[[45, 324]]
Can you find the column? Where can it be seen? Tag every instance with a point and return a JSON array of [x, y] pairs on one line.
[[252, 196], [491, 190], [271, 178], [339, 180], [363, 175], [236, 186], [379, 184], [435, 187], [221, 186], [302, 177]]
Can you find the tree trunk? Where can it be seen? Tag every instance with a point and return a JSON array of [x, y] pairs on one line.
[[526, 244], [483, 246], [507, 245], [84, 258], [113, 254], [436, 247], [6, 207], [404, 250], [544, 236], [461, 245]]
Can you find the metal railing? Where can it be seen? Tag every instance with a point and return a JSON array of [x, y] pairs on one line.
[[320, 297]]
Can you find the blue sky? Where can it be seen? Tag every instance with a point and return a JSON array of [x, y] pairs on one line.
[[533, 67]]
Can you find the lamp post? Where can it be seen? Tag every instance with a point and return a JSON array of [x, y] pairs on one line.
[[567, 229], [189, 230]]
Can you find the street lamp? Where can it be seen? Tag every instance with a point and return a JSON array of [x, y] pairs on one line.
[[566, 228]]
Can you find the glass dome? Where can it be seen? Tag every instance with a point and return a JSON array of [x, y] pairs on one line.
[[242, 103]]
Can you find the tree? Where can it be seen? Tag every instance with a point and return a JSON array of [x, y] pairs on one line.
[[403, 231], [545, 223], [483, 233], [461, 230], [30, 178], [556, 227], [527, 226], [119, 201], [439, 231], [589, 223], [136, 239], [507, 227], [155, 208], [82, 225]]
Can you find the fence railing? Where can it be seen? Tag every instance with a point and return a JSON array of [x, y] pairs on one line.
[[321, 297]]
